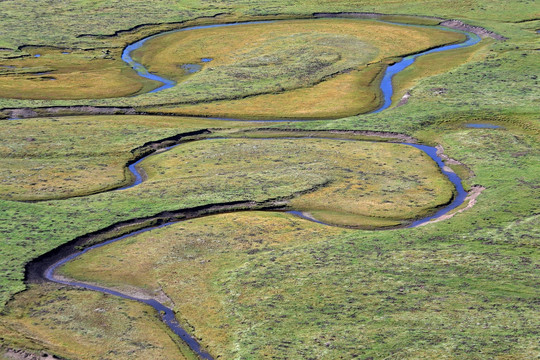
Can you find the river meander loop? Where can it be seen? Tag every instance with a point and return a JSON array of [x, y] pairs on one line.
[[166, 313]]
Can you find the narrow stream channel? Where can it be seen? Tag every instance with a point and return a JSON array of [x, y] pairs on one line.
[[167, 83], [166, 313]]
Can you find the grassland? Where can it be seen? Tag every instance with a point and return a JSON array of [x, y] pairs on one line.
[[53, 158], [343, 57], [60, 74], [462, 288], [362, 183], [61, 23], [174, 178], [89, 325], [458, 289], [355, 92], [282, 56]]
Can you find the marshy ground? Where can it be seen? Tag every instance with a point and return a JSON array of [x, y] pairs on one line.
[[257, 284]]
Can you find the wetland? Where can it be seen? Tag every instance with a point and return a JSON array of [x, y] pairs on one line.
[[255, 234]]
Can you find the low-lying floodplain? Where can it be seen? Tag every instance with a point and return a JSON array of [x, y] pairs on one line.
[[269, 180]]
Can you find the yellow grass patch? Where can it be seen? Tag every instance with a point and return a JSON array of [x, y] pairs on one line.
[[225, 45], [83, 324], [76, 75], [185, 260], [351, 93], [345, 46], [376, 182]]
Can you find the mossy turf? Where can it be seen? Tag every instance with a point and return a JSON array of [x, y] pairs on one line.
[[461, 288], [345, 94]]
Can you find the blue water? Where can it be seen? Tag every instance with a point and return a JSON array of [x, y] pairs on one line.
[[385, 86], [142, 71], [387, 90], [483, 126], [301, 215], [136, 174], [133, 168], [167, 314], [191, 68], [460, 195], [386, 83]]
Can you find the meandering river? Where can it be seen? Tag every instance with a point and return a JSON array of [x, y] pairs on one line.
[[167, 314]]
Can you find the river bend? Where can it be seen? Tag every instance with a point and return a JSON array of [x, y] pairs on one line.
[[167, 314]]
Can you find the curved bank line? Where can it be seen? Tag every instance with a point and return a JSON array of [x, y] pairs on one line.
[[460, 193], [166, 313], [167, 83], [458, 199], [387, 90], [138, 174], [386, 82]]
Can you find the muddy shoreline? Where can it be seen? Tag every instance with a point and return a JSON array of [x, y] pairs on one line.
[[450, 23], [480, 31], [394, 136], [27, 112]]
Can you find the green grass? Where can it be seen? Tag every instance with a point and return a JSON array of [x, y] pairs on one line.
[[269, 169], [452, 280], [458, 289], [52, 158], [87, 324], [461, 288], [60, 23]]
